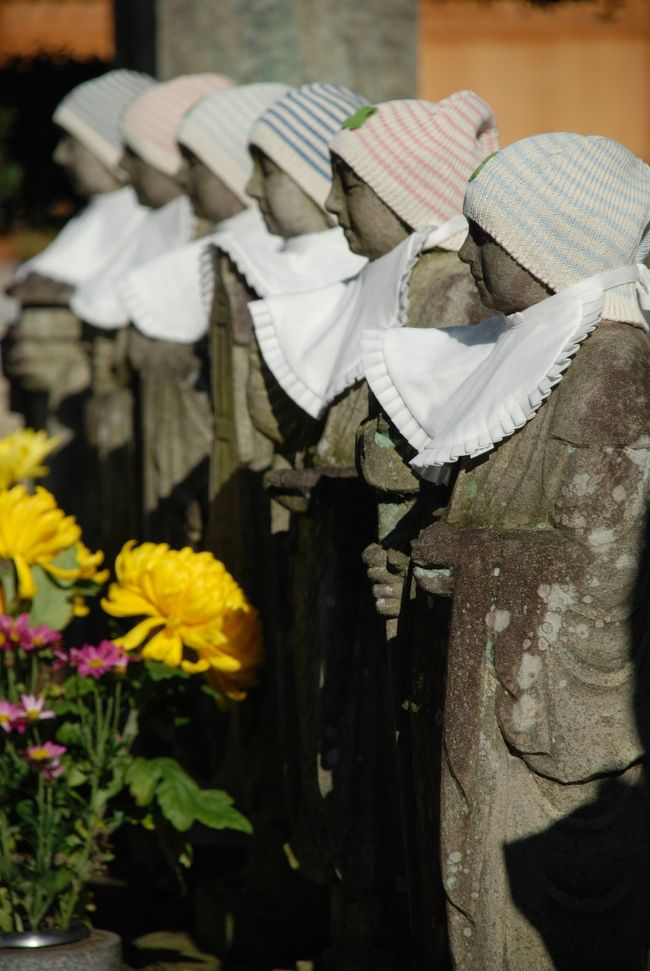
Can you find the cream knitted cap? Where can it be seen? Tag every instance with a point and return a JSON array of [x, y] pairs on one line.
[[295, 133], [418, 155], [216, 130], [566, 207], [91, 112], [149, 124]]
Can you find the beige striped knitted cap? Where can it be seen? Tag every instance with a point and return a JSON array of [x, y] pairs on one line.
[[91, 112], [418, 155], [566, 207], [216, 130], [149, 124]]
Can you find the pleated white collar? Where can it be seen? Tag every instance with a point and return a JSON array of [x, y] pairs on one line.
[[289, 266], [311, 341], [98, 300], [460, 391], [169, 298], [89, 240]]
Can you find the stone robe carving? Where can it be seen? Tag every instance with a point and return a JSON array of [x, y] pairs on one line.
[[544, 810]]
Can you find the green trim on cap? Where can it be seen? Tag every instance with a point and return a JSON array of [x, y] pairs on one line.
[[359, 117], [478, 169]]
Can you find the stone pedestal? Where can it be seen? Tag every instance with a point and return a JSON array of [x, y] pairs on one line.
[[101, 951]]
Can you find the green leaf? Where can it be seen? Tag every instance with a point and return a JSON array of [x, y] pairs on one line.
[[51, 604], [75, 777], [142, 778], [158, 671], [218, 812], [181, 801], [56, 881], [211, 692], [70, 733]]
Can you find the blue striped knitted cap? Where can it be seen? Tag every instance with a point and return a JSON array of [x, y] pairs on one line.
[[216, 130], [566, 207], [296, 131], [91, 112]]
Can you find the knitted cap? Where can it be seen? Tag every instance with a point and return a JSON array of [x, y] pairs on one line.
[[216, 130], [566, 207], [295, 133], [150, 122], [418, 155], [91, 112]]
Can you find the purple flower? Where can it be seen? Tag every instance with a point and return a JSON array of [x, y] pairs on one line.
[[96, 661], [18, 632]]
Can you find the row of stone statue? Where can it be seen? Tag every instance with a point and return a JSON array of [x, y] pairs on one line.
[[333, 341]]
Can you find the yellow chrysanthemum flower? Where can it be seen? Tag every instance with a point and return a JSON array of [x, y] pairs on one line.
[[89, 563], [22, 454], [33, 530], [195, 615]]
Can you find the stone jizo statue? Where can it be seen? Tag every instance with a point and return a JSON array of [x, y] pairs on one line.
[[399, 167], [541, 425]]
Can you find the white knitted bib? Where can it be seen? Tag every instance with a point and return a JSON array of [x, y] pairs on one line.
[[169, 298], [99, 300], [312, 341], [461, 390], [89, 240]]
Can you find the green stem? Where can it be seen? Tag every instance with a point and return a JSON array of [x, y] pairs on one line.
[[5, 844]]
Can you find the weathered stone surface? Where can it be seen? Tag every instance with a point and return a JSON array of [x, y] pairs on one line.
[[370, 46], [544, 807], [176, 431]]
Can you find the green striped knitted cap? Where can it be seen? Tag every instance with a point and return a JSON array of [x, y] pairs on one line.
[[566, 207]]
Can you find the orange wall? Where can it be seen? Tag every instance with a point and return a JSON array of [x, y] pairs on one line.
[[80, 28], [572, 67]]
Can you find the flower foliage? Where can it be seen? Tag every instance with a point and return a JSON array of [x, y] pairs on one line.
[[193, 614], [70, 716], [22, 455]]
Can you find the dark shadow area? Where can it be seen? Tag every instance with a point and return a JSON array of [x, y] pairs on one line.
[[34, 191], [135, 35]]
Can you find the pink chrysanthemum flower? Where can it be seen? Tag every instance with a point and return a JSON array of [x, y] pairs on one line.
[[31, 710], [47, 757], [94, 662], [18, 632], [8, 716]]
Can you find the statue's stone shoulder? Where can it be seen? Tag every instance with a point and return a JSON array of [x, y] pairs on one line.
[[604, 396]]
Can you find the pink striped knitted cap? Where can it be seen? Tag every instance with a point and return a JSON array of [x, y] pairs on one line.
[[418, 155], [150, 122]]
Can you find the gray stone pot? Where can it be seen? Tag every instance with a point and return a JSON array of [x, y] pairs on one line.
[[101, 951]]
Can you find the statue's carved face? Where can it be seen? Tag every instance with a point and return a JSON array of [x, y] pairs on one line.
[[88, 176], [287, 210], [211, 198], [370, 226], [501, 282], [152, 187]]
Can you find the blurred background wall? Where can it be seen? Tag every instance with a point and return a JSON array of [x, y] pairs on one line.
[[567, 66], [582, 65]]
